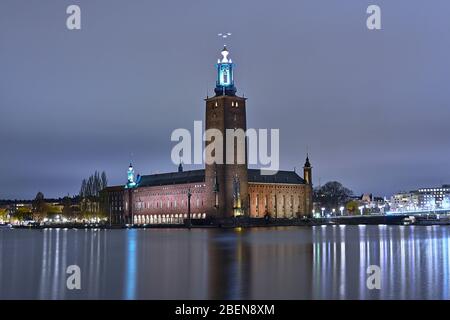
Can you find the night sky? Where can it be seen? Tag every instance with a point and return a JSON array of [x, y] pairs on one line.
[[372, 107]]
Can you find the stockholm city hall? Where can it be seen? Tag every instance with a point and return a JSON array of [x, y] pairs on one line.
[[219, 191]]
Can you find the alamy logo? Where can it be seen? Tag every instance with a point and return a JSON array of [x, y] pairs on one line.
[[74, 280], [374, 279], [237, 142], [374, 20], [73, 21]]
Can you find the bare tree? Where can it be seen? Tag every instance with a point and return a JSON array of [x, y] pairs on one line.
[[332, 195]]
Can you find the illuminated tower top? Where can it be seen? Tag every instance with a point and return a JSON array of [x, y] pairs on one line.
[[225, 78], [130, 173]]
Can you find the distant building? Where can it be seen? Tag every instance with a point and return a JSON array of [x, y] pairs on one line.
[[371, 204], [404, 201], [112, 201], [433, 198]]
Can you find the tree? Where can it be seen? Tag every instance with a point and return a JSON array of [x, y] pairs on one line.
[[39, 206], [90, 191], [3, 214], [23, 213], [53, 211], [104, 180], [83, 190], [332, 195], [67, 207], [352, 207]]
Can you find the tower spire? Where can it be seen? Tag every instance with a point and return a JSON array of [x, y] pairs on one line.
[[307, 171]]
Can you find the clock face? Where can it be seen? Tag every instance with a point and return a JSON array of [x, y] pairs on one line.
[[225, 75]]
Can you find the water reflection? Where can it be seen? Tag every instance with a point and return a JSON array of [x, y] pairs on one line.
[[131, 272], [326, 262]]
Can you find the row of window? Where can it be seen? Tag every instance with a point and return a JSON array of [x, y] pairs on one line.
[[165, 218], [274, 200], [434, 196], [171, 193], [233, 104], [435, 190], [160, 204], [274, 188]]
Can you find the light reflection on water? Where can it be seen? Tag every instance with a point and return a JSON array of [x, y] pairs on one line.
[[325, 262]]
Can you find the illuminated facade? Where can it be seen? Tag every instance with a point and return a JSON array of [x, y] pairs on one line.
[[219, 191], [423, 199]]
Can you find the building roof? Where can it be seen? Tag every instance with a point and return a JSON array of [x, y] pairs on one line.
[[290, 177], [172, 178], [114, 188], [193, 176]]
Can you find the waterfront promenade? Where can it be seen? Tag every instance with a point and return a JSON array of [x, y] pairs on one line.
[[392, 219]]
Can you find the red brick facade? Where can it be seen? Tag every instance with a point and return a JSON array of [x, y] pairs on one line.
[[280, 200], [222, 113], [169, 204]]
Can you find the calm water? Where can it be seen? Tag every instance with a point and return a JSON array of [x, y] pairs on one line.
[[283, 263]]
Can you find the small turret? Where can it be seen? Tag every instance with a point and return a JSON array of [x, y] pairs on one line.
[[307, 171]]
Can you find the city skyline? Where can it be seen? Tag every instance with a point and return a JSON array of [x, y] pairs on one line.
[[116, 89]]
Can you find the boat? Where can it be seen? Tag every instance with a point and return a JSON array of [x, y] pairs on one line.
[[409, 220]]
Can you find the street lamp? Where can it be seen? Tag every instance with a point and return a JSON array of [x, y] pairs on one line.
[[342, 210], [189, 207], [334, 212], [323, 209], [361, 208]]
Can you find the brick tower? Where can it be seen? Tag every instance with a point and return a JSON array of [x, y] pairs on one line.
[[226, 181]]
